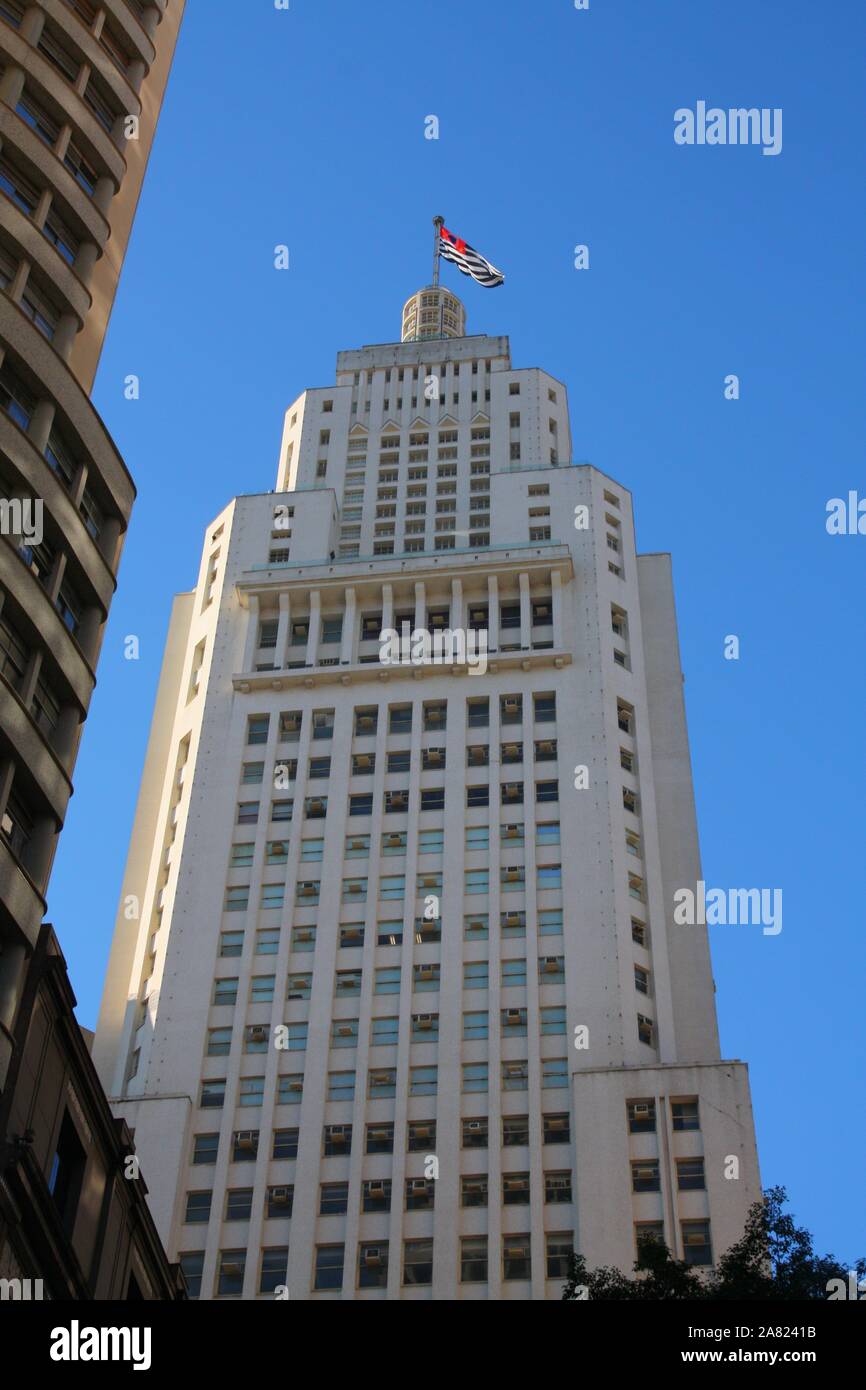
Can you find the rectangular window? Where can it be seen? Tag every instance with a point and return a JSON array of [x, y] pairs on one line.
[[418, 1262], [205, 1147], [328, 1272], [285, 1143]]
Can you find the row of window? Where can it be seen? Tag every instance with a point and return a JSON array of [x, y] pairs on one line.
[[397, 802], [512, 878], [434, 715], [476, 927], [372, 1264], [395, 842], [382, 1083], [379, 1138]]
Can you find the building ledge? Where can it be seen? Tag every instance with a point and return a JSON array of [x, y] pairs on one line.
[[311, 676]]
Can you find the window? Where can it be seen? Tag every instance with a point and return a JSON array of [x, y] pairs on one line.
[[230, 1278], [382, 1082], [192, 1262], [337, 1139], [513, 973], [225, 990], [515, 1131], [433, 799], [333, 1198], [420, 1194], [361, 805], [418, 1262], [197, 1208], [290, 1089], [646, 1030], [245, 1146], [205, 1148], [380, 1140], [423, 1080], [557, 1187], [219, 1041], [475, 974], [213, 1094], [373, 1263], [554, 1072], [329, 1267], [239, 1204], [276, 1259], [645, 1177], [697, 1249], [473, 1258], [262, 989], [690, 1174], [473, 1190], [478, 796], [285, 1143], [387, 980], [559, 1249], [475, 1133], [475, 1077], [257, 728], [475, 1024], [476, 881], [684, 1114], [251, 1090], [557, 1129], [516, 1261], [515, 1189]]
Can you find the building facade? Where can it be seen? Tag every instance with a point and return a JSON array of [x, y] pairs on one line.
[[396, 1005], [81, 86]]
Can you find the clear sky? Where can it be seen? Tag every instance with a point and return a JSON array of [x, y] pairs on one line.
[[306, 128]]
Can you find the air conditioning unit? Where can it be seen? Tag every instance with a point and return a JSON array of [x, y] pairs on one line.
[[434, 756], [352, 933], [478, 615], [278, 849], [373, 1255], [511, 832], [380, 1135], [418, 1185], [246, 1139], [422, 1132], [516, 1185], [434, 716], [513, 1016], [513, 919], [550, 965], [339, 1134], [316, 806], [429, 880], [511, 791], [515, 1252], [557, 1122], [545, 745], [426, 972], [298, 983], [510, 750], [397, 801], [233, 1268], [305, 933], [345, 1030], [641, 1110], [475, 1127], [423, 1021], [355, 887], [381, 1078], [363, 760], [279, 1196], [694, 1238], [296, 1084], [478, 754], [512, 875], [477, 926], [301, 630], [365, 721], [542, 611], [375, 1189], [510, 706], [306, 890], [320, 721], [394, 841], [357, 844], [515, 1070], [257, 1032], [438, 620]]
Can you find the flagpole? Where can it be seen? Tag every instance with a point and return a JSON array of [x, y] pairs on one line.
[[437, 223]]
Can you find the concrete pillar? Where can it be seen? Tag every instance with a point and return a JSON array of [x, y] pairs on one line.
[[525, 613], [348, 645]]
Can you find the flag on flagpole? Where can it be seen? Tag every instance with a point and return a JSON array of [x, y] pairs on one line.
[[468, 260]]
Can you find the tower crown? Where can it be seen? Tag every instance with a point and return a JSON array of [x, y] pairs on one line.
[[433, 312]]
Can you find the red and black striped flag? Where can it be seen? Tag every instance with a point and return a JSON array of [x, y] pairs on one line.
[[467, 259]]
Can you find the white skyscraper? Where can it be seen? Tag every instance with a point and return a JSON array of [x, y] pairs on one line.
[[396, 1004]]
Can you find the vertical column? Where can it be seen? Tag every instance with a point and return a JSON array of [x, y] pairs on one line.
[[493, 616], [457, 617], [348, 646], [252, 638], [387, 606], [420, 605], [314, 628], [525, 613], [556, 608], [283, 622]]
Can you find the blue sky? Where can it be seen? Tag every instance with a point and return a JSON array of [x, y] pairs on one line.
[[556, 128]]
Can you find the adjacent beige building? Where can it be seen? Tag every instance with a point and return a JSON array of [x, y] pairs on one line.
[[81, 83], [396, 1006]]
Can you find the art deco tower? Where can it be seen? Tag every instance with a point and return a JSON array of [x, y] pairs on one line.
[[396, 1004], [81, 85]]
